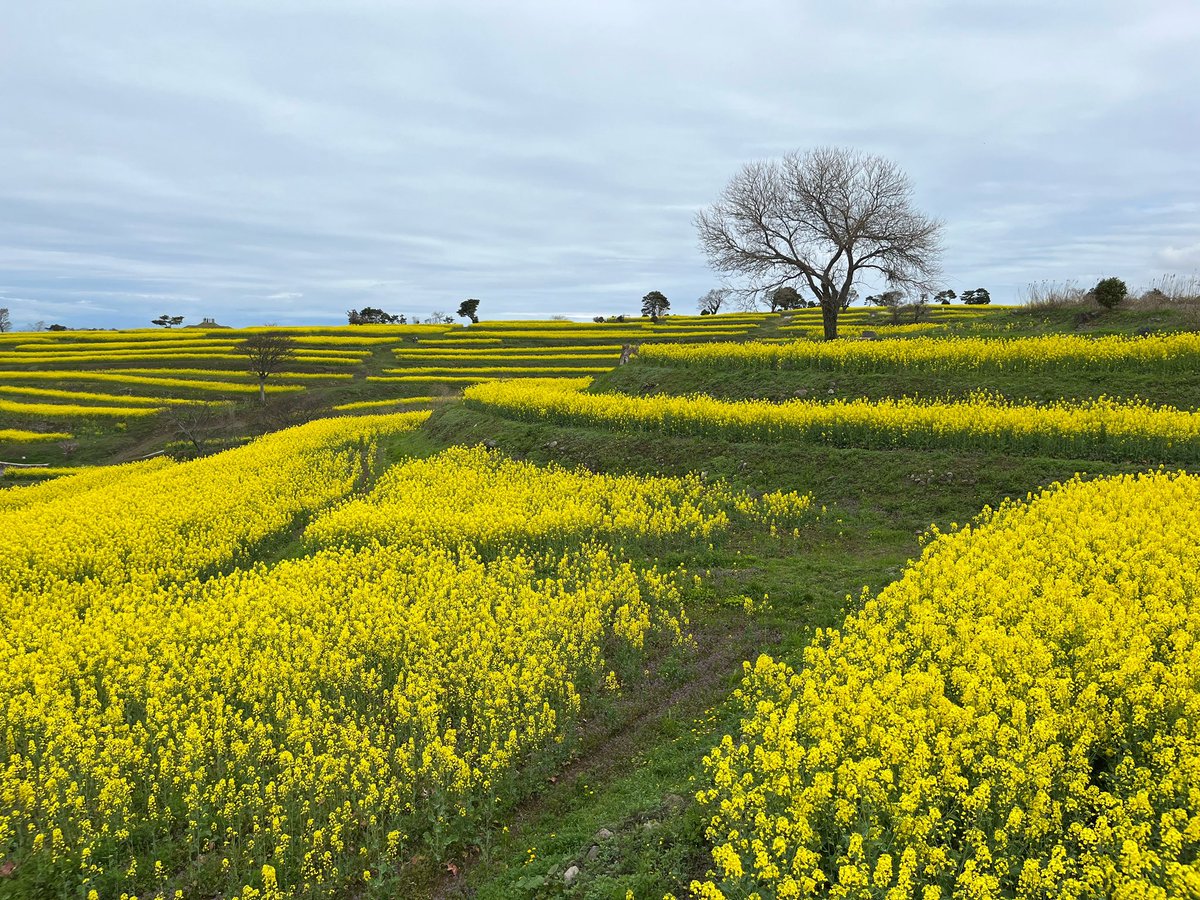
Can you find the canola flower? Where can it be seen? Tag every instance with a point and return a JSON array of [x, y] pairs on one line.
[[381, 404], [483, 357], [74, 410], [166, 381], [1094, 429], [226, 373], [325, 717], [126, 399], [77, 483], [499, 370], [34, 472], [471, 494], [1017, 717], [124, 530], [21, 436], [558, 351], [583, 334], [1167, 353]]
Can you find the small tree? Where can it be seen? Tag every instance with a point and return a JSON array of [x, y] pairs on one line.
[[468, 309], [944, 297], [1109, 292], [977, 297], [267, 353], [655, 304], [166, 321], [5, 321], [892, 301], [369, 315], [784, 298], [710, 304]]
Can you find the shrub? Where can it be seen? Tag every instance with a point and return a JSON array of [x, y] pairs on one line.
[[1109, 292]]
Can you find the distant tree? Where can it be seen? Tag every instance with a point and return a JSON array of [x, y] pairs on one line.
[[710, 304], [598, 319], [437, 317], [977, 297], [5, 321], [820, 220], [468, 309], [1109, 292], [267, 352], [944, 297], [369, 315], [784, 298], [655, 304], [167, 321], [56, 327], [39, 325]]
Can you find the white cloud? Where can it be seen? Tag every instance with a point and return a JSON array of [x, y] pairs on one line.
[[547, 157], [1181, 258]]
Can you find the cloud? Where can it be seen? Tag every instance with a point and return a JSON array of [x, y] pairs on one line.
[[1181, 258], [226, 160]]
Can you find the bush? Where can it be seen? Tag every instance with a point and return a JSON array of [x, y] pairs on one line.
[[1109, 292]]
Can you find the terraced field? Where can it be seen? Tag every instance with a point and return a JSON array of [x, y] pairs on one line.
[[479, 612]]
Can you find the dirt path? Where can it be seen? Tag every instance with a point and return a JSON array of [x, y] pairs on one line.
[[716, 659]]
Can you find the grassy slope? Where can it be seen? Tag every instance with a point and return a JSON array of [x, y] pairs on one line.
[[637, 762]]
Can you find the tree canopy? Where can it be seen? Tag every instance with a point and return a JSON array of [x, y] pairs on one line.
[[469, 309], [369, 315], [655, 304]]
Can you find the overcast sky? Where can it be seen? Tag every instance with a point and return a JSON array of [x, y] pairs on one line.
[[258, 161]]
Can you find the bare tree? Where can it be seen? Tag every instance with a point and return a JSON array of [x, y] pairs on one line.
[[710, 304], [820, 220], [5, 321], [267, 352]]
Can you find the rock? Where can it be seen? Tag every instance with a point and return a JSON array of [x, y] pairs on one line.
[[673, 803], [803, 392], [571, 874], [603, 834], [593, 853], [490, 444], [868, 336]]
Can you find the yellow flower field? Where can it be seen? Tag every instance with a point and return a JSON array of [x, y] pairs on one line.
[[175, 722], [1159, 353], [1098, 429], [20, 436], [1017, 716]]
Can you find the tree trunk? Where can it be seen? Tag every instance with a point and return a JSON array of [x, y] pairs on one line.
[[829, 317], [262, 390]]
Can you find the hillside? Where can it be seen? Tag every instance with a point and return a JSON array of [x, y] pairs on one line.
[[589, 594]]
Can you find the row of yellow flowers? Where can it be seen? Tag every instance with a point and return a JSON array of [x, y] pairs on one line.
[[1099, 429], [77, 483], [1017, 717], [164, 381], [91, 396], [492, 500], [1160, 353], [30, 359], [167, 728], [22, 436], [73, 410]]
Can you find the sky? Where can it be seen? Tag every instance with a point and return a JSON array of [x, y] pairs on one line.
[[268, 162]]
